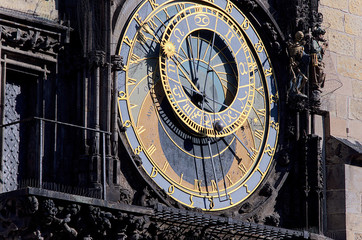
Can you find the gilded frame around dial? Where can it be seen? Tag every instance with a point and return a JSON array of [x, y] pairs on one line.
[[209, 171]]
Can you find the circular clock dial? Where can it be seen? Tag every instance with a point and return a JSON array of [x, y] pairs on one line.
[[198, 100], [212, 85]]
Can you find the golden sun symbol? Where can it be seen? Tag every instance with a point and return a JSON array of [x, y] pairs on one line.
[[168, 49]]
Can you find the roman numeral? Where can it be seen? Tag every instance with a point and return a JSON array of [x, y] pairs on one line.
[[140, 129], [213, 186], [151, 149], [135, 58], [242, 168], [197, 184], [128, 41], [153, 4], [131, 81], [181, 178], [269, 150], [228, 177], [165, 166], [259, 134]]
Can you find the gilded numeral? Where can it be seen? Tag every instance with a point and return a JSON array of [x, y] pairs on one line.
[[191, 200], [152, 23], [131, 81], [259, 46], [242, 168], [254, 154], [134, 58], [213, 186], [154, 172], [127, 124], [153, 4], [181, 6], [181, 178], [165, 166], [228, 177], [268, 72], [138, 19], [246, 24], [230, 199], [128, 41], [247, 189], [132, 105], [212, 204], [274, 98], [229, 7], [197, 184], [259, 134], [122, 95], [274, 125], [261, 112], [138, 150], [151, 149], [140, 129], [171, 189], [269, 150]]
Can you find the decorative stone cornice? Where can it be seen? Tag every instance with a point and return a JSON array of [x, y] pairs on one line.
[[41, 214], [28, 39]]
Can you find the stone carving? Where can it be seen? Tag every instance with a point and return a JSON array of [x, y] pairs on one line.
[[248, 5], [267, 190], [272, 33], [272, 220], [146, 199], [97, 58], [317, 75], [117, 62], [298, 66], [29, 39]]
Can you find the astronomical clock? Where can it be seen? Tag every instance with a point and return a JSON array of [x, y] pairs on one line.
[[198, 101]]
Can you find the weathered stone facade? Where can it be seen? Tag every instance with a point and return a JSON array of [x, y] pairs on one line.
[[342, 95]]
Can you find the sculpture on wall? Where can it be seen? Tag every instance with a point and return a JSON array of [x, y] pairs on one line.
[[317, 75], [298, 65], [318, 47]]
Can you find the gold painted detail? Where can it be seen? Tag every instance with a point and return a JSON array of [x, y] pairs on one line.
[[168, 49]]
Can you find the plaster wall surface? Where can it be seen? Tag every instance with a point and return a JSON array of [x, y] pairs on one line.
[[47, 9], [342, 94]]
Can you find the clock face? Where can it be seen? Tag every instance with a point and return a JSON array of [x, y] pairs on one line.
[[199, 101]]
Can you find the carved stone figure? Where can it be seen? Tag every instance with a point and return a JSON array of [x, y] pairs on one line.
[[318, 47], [298, 65]]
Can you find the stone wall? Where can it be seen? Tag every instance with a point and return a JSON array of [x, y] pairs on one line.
[[47, 9], [342, 94]]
